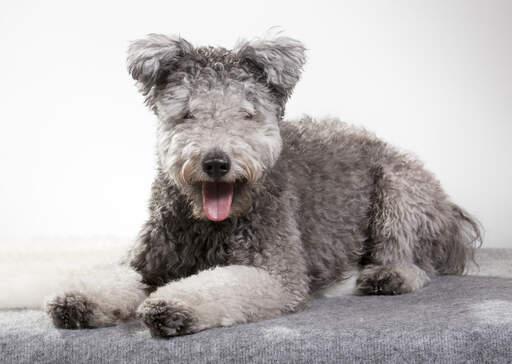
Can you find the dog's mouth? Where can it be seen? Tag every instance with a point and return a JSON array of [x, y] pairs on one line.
[[217, 199]]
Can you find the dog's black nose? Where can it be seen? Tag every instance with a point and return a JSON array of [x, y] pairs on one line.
[[216, 164]]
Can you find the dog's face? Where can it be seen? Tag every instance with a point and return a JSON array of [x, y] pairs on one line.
[[218, 113]]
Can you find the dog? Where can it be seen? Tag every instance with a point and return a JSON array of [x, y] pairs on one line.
[[251, 214]]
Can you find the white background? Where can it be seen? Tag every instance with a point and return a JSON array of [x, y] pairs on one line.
[[76, 142]]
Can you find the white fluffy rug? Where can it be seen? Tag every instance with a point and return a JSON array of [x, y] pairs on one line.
[[32, 270]]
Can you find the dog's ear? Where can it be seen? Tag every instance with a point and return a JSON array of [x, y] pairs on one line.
[[277, 62], [150, 60]]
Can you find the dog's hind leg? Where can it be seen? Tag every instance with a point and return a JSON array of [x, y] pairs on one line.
[[100, 297], [405, 208]]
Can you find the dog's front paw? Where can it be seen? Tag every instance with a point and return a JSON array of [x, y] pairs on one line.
[[167, 318], [70, 311], [389, 280]]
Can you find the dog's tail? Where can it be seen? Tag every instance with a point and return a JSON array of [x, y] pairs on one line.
[[464, 236]]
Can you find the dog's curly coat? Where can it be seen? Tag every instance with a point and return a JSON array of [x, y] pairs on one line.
[[250, 213]]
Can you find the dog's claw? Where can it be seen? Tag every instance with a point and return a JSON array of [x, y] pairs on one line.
[[70, 311], [166, 318]]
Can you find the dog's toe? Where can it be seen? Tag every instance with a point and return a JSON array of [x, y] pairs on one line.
[[70, 311], [381, 280], [166, 318]]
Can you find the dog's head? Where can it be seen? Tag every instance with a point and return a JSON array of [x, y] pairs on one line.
[[218, 113]]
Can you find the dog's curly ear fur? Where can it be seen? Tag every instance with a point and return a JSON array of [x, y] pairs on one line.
[[277, 62], [151, 59]]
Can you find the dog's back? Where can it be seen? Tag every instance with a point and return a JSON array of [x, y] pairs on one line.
[[341, 174]]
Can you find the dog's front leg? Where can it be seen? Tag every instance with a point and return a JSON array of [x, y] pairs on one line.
[[97, 297], [222, 296]]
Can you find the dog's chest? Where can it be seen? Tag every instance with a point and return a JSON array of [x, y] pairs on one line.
[[202, 246], [196, 248]]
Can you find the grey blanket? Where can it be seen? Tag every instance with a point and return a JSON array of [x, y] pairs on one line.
[[454, 319]]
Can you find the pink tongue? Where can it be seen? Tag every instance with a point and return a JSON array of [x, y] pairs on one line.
[[217, 197]]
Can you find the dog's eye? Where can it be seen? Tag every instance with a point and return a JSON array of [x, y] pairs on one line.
[[188, 116], [248, 115]]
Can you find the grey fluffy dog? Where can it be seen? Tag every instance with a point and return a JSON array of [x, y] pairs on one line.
[[251, 214]]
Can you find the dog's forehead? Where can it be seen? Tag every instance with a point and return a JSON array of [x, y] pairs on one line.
[[208, 92], [215, 55], [222, 99], [218, 85]]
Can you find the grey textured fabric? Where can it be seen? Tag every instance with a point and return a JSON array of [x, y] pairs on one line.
[[454, 319], [493, 263]]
